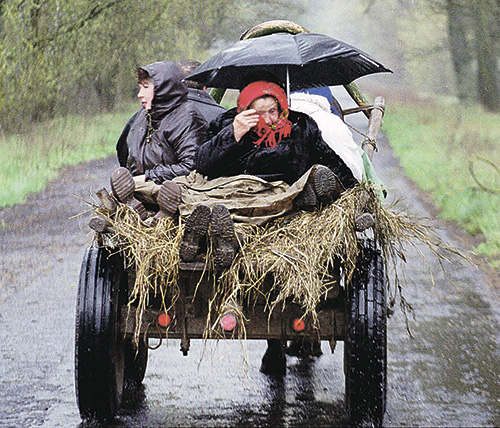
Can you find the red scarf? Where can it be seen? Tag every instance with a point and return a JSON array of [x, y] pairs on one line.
[[271, 134]]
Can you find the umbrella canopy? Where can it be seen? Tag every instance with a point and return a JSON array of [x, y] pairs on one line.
[[306, 59]]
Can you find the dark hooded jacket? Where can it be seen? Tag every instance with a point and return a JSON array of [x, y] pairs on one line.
[[205, 104], [161, 143], [221, 155]]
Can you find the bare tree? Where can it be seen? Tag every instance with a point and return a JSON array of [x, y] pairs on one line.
[[485, 12], [460, 39]]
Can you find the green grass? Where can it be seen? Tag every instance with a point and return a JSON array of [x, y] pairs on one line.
[[32, 159], [438, 142]]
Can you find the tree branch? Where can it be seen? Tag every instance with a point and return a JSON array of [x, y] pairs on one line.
[[474, 177], [74, 25]]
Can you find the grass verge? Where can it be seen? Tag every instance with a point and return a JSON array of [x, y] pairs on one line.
[[452, 152], [30, 160]]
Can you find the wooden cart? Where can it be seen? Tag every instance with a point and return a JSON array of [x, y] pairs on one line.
[[106, 358]]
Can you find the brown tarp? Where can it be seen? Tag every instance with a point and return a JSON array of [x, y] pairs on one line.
[[249, 199]]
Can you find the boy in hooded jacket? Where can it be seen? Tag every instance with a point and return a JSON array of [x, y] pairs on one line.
[[159, 142]]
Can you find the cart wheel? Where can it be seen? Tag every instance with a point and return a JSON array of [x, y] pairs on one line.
[[365, 355], [136, 360], [99, 346]]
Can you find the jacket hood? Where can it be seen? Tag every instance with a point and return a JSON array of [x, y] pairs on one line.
[[169, 89], [308, 103]]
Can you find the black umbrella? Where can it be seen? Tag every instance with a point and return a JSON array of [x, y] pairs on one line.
[[301, 60]]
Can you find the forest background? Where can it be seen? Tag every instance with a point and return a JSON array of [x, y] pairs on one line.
[[67, 83]]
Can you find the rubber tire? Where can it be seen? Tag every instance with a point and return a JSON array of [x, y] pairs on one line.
[[365, 350], [136, 361], [99, 346]]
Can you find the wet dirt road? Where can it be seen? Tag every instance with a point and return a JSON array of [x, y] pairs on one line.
[[447, 375]]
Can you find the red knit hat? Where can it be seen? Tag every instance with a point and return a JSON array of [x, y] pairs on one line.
[[271, 134]]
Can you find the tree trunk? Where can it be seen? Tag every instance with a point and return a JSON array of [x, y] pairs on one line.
[[460, 27], [487, 59]]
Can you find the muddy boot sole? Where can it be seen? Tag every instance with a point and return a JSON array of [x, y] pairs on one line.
[[169, 199], [364, 221], [195, 229], [100, 224], [326, 185], [363, 200], [123, 186], [139, 208], [306, 199], [223, 237]]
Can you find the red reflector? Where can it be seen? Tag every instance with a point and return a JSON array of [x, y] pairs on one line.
[[228, 322], [298, 324], [164, 320]]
